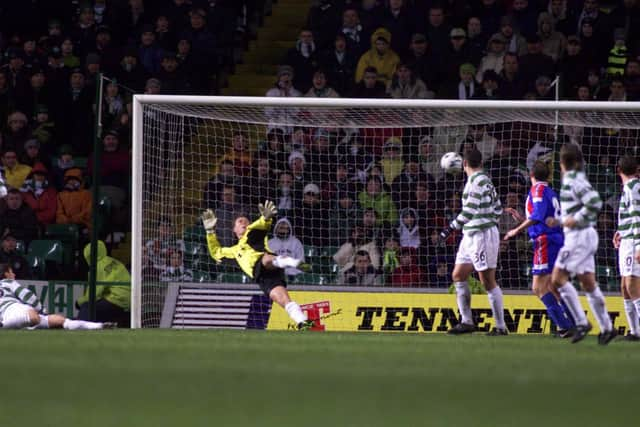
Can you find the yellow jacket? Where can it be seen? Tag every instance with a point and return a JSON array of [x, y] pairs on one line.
[[385, 64], [14, 178], [249, 248]]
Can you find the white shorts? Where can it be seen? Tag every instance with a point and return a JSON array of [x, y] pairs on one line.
[[626, 259], [577, 255], [16, 316], [480, 249]]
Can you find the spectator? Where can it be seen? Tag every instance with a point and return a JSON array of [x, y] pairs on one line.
[[362, 273], [403, 185], [370, 86], [374, 197], [380, 56], [458, 53], [301, 176], [554, 43], [69, 60], [627, 16], [166, 242], [408, 274], [404, 85], [344, 216], [323, 22], [239, 154], [340, 64], [203, 47], [423, 62], [398, 19], [563, 17], [438, 31], [283, 86], [149, 53], [303, 60], [32, 155], [175, 271], [512, 85], [40, 195], [36, 92], [285, 243], [108, 53], [631, 79], [501, 166], [597, 88], [227, 211], [259, 185], [115, 171], [600, 22], [482, 140], [370, 14], [494, 59], [9, 255], [273, 149], [5, 96], [618, 54], [319, 88], [17, 132], [17, 218], [310, 219], [543, 89], [165, 35], [131, 73], [61, 165], [174, 81], [524, 17], [14, 172], [357, 241], [77, 106], [74, 201], [352, 32], [112, 301], [390, 255], [465, 87], [535, 63], [617, 89], [477, 38], [284, 198], [490, 88], [409, 233], [392, 162], [225, 176], [489, 12], [596, 49], [515, 43], [372, 229], [572, 67], [44, 130], [153, 87], [321, 157]]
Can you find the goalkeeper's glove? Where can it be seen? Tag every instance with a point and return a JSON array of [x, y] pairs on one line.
[[445, 233], [209, 221], [268, 210]]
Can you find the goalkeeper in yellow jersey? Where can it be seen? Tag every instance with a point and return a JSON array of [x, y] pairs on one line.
[[256, 260]]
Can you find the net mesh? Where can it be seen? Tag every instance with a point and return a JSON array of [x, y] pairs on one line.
[[353, 178]]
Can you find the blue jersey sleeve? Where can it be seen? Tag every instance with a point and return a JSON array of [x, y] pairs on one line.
[[541, 206]]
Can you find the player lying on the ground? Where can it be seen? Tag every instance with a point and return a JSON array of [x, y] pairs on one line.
[[478, 248], [20, 308], [256, 260], [542, 203], [580, 205], [627, 242]]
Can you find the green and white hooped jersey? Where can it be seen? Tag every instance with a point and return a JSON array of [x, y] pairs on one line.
[[579, 200], [12, 292], [629, 212], [481, 205]]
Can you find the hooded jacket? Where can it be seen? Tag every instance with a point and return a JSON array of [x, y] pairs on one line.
[[554, 43], [108, 270], [43, 200], [409, 237], [384, 64], [289, 246], [74, 206]]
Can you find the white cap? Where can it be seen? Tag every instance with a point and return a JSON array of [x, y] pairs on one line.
[[311, 188]]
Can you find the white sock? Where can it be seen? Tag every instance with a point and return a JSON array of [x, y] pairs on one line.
[[295, 312], [599, 308], [463, 296], [636, 303], [283, 261], [569, 295], [44, 322], [73, 325], [632, 316], [497, 306]]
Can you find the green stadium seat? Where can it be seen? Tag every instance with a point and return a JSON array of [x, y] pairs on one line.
[[37, 265], [233, 278], [48, 250], [21, 248], [312, 279], [69, 235], [607, 277], [201, 276], [195, 233]]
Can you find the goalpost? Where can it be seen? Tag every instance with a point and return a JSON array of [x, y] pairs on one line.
[[335, 165]]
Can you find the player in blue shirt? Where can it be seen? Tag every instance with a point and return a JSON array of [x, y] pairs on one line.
[[542, 202]]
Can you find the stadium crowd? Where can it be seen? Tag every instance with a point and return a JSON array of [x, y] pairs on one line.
[[376, 196]]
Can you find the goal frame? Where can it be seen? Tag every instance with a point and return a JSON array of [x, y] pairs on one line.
[[138, 150]]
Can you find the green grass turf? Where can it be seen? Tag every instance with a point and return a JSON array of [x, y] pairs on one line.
[[230, 378]]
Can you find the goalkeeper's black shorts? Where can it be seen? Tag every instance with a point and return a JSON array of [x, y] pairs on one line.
[[268, 279]]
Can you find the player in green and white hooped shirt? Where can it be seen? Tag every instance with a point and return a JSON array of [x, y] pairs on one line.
[[579, 206], [20, 308], [479, 246], [627, 242]]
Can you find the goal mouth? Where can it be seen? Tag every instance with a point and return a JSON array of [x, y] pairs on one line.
[[185, 146]]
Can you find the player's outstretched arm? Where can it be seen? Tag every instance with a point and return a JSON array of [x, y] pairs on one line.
[[209, 221], [217, 252]]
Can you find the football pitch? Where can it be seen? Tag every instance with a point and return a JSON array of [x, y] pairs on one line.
[[242, 378]]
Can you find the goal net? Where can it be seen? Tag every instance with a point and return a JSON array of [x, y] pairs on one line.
[[346, 176]]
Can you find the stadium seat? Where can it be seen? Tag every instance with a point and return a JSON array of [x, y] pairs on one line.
[[48, 250], [194, 253], [104, 213], [233, 278], [195, 233], [312, 279], [607, 277], [37, 265], [201, 276], [69, 235], [21, 248]]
